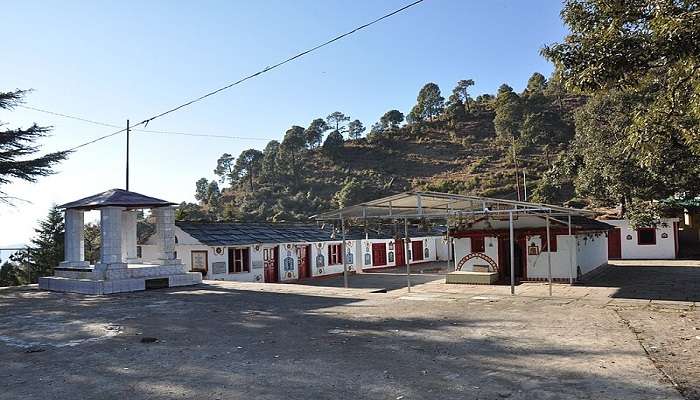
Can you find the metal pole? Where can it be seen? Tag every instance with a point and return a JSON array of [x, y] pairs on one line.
[[571, 254], [128, 130], [344, 255], [549, 256], [524, 186], [512, 253], [408, 262], [449, 248]]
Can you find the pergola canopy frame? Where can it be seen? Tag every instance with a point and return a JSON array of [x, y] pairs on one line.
[[417, 205]]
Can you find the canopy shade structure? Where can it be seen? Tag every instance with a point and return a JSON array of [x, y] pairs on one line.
[[435, 205], [116, 198]]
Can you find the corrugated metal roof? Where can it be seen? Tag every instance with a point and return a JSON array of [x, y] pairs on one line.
[[117, 198], [245, 233]]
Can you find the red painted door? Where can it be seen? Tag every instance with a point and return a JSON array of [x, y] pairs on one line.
[[400, 251], [417, 250], [614, 244], [378, 254], [303, 254], [270, 264]]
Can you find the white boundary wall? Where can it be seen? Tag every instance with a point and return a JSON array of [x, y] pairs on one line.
[[665, 248]]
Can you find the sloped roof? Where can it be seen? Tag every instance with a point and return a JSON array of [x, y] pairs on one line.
[[245, 233], [117, 198]]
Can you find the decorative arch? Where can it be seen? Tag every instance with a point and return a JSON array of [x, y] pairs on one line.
[[482, 256]]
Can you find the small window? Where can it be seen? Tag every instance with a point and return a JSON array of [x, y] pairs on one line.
[[335, 254], [478, 244], [238, 260], [139, 252], [646, 236], [552, 242]]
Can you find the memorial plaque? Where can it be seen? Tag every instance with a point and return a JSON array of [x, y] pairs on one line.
[[218, 267]]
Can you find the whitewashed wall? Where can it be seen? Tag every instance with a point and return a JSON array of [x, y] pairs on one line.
[[592, 252], [631, 249], [441, 249], [319, 270], [463, 248], [562, 259]]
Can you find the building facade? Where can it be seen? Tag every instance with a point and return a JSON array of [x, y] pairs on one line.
[[628, 243]]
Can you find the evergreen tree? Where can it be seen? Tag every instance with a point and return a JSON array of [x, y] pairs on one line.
[[18, 158], [429, 103], [248, 166], [200, 193], [461, 92], [268, 165], [224, 168], [355, 129], [334, 144], [47, 247], [314, 133], [508, 117], [92, 236], [336, 120]]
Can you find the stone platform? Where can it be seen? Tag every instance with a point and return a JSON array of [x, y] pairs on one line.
[[127, 278], [472, 277]]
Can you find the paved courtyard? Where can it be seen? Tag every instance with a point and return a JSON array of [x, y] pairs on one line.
[[265, 341]]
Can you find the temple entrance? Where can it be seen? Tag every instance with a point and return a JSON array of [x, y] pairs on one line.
[[518, 258], [270, 264]]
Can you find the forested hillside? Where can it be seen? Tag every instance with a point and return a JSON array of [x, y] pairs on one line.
[[465, 144]]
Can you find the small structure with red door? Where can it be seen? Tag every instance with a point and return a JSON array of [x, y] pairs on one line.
[[657, 243], [483, 245]]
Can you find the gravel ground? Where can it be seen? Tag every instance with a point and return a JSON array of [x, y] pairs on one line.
[[262, 341]]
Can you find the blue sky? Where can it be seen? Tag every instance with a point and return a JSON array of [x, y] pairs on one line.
[[109, 61]]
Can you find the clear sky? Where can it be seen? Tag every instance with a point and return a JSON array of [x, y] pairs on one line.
[[109, 61]]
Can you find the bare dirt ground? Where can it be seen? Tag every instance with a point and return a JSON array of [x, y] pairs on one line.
[[236, 340]]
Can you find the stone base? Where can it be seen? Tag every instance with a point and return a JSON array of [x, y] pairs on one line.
[[118, 280], [472, 278]]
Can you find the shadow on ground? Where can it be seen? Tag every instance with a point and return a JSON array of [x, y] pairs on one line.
[[650, 282], [213, 343]]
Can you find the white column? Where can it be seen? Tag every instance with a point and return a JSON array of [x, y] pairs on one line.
[[129, 235], [165, 233], [74, 239], [111, 229]]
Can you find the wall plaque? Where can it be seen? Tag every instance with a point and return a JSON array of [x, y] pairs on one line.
[[218, 267]]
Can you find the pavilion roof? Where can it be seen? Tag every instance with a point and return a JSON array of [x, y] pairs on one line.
[[116, 198], [435, 205]]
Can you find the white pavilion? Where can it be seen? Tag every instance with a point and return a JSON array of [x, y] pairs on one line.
[[119, 268]]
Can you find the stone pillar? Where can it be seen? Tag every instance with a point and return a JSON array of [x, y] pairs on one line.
[[165, 234], [111, 229], [129, 236], [74, 240]]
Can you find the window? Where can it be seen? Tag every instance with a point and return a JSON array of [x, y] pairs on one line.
[[238, 260], [646, 236], [335, 254], [552, 242], [478, 244], [139, 252]]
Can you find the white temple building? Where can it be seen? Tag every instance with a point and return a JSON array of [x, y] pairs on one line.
[[119, 268]]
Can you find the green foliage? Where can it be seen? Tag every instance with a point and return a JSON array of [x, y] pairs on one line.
[[645, 54], [92, 243], [337, 121], [355, 129], [247, 166], [509, 113], [15, 271], [314, 133], [46, 249], [334, 144], [429, 103], [201, 189], [224, 168], [461, 93], [18, 151], [353, 191]]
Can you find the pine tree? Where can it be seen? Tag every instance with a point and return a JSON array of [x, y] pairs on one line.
[[18, 158], [46, 250]]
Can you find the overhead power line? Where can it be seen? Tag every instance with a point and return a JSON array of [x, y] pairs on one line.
[[213, 135], [146, 121]]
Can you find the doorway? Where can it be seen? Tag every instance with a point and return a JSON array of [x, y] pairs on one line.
[[417, 250], [615, 244], [304, 260], [378, 254], [518, 258], [400, 253], [270, 269]]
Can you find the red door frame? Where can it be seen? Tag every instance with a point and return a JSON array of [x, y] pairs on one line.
[[271, 265], [378, 254], [416, 248], [400, 252], [304, 261], [615, 244]]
